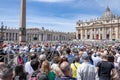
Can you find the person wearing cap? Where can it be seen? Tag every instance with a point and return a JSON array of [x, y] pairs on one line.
[[86, 71]]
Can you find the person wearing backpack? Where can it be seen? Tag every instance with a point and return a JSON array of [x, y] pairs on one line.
[[37, 73], [20, 60], [74, 66], [86, 71], [28, 67]]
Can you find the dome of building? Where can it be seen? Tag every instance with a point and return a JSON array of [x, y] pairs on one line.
[[108, 14]]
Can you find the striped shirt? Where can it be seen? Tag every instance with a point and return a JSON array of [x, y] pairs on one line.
[[86, 71]]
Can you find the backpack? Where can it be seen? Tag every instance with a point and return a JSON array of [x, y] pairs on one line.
[[20, 60], [24, 76], [34, 75]]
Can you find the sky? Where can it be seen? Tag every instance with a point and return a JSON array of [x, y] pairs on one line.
[[57, 15]]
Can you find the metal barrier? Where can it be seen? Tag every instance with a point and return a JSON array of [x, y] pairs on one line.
[[9, 58]]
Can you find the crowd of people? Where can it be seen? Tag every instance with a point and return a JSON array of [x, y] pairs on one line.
[[60, 61]]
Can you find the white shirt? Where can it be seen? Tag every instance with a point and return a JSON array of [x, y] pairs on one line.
[[28, 67], [96, 59], [53, 66], [118, 59], [32, 50]]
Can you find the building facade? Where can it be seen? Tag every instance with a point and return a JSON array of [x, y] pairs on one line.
[[37, 35], [105, 27]]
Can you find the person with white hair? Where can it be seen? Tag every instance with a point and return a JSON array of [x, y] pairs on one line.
[[42, 58]]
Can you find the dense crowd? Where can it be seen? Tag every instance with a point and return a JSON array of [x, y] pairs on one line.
[[60, 61]]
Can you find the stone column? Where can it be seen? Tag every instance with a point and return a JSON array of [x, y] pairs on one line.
[[110, 33], [44, 37], [99, 33], [94, 33], [11, 36], [81, 32], [39, 37], [14, 36], [85, 34], [116, 33], [8, 36], [91, 33], [5, 36], [103, 33], [51, 38], [22, 32], [30, 37], [33, 36], [77, 32]]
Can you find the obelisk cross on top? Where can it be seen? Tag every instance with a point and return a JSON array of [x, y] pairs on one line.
[[22, 30]]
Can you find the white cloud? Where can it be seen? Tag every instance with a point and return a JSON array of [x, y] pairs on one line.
[[57, 23], [52, 1], [54, 23]]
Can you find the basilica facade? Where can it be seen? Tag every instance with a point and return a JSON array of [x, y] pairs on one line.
[[105, 27], [36, 35]]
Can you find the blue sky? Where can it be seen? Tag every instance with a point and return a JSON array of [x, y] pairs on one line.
[[58, 15]]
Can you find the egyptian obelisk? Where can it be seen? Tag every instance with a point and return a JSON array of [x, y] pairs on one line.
[[22, 30]]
